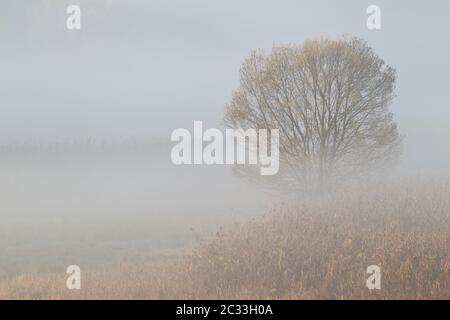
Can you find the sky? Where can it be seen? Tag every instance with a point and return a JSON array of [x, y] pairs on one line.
[[140, 69]]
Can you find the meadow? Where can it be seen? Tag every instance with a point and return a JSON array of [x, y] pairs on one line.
[[310, 248]]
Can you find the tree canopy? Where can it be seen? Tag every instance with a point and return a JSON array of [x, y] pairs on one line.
[[330, 100]]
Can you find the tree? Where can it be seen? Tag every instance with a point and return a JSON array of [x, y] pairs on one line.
[[329, 99]]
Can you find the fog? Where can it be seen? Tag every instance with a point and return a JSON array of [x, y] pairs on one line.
[[138, 70]]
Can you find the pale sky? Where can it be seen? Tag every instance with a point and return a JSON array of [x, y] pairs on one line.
[[143, 68]]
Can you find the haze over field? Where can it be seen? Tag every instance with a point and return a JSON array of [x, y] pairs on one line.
[[86, 117]]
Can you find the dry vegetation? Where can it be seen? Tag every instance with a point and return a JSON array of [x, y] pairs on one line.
[[321, 249], [317, 249]]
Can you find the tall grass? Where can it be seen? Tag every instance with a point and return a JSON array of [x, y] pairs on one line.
[[314, 249], [321, 248]]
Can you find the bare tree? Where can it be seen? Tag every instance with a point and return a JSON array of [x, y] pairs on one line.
[[329, 99]]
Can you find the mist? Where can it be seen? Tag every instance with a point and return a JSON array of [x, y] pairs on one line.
[[86, 116]]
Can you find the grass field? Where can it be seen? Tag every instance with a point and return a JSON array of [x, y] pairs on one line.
[[316, 248]]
